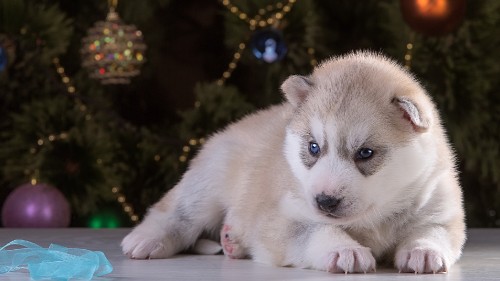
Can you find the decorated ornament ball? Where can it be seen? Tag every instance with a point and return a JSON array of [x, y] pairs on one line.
[[105, 219], [433, 17], [38, 205], [112, 51], [268, 45]]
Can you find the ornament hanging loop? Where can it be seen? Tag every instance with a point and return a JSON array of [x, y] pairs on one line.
[[112, 4], [112, 14]]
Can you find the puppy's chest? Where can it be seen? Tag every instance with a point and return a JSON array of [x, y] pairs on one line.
[[380, 240]]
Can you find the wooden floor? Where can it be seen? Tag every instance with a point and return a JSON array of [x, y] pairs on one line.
[[481, 260]]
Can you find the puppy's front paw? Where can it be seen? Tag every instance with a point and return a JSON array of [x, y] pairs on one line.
[[143, 245], [420, 260], [350, 260], [230, 245]]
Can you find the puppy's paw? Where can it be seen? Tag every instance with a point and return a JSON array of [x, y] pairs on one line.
[[420, 260], [349, 260], [143, 245], [230, 244]]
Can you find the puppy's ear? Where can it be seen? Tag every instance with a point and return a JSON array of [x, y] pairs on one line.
[[412, 114], [296, 88]]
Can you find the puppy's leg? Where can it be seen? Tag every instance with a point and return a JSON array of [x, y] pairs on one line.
[[331, 249], [177, 220], [231, 244], [317, 246], [233, 235], [428, 250]]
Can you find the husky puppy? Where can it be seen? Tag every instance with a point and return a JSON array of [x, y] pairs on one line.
[[354, 167]]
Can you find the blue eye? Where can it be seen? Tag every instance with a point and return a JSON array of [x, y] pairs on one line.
[[364, 153], [314, 148]]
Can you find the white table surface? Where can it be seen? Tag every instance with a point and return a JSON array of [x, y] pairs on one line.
[[480, 261]]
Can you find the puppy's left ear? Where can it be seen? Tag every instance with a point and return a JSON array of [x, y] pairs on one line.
[[412, 114], [296, 88]]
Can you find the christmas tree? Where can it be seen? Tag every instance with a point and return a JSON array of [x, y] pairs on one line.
[[114, 129]]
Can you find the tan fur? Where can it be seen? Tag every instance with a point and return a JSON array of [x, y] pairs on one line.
[[403, 203]]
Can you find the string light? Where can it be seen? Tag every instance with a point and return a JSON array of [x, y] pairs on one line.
[[190, 146], [71, 90], [312, 52], [127, 208], [260, 19], [120, 197], [408, 54], [34, 174], [232, 65], [64, 78]]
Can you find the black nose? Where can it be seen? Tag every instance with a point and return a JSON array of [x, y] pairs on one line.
[[327, 203]]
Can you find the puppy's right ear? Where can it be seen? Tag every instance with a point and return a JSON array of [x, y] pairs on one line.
[[296, 88], [417, 117]]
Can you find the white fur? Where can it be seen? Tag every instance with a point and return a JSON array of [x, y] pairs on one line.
[[291, 146], [317, 130], [257, 179]]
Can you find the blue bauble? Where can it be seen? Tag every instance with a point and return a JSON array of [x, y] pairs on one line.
[[268, 45], [3, 59]]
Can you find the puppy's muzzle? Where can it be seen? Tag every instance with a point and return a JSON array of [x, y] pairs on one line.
[[327, 203]]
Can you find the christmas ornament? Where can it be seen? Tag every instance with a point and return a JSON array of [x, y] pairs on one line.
[[38, 205], [3, 59], [105, 219], [433, 17], [268, 17], [112, 51], [268, 45], [7, 51]]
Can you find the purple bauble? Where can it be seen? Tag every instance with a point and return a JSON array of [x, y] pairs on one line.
[[39, 205]]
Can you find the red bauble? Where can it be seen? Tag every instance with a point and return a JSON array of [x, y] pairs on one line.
[[433, 17]]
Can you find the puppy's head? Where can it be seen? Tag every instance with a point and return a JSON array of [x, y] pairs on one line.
[[358, 140]]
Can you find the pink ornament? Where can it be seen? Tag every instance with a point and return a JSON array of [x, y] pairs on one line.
[[39, 205]]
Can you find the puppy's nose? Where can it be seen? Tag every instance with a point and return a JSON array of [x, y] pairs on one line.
[[327, 203]]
